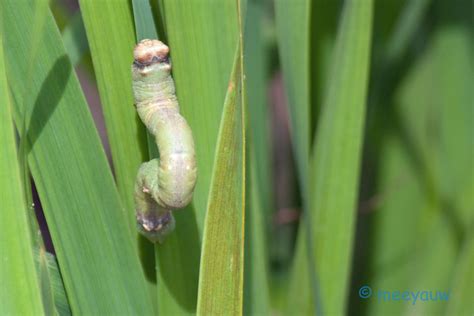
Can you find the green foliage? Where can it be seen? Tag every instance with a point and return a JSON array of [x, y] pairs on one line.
[[379, 105], [20, 292], [68, 164]]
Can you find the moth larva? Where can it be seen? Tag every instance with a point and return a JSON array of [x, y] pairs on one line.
[[167, 183]]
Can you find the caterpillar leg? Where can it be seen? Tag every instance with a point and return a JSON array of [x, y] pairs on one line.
[[154, 221]]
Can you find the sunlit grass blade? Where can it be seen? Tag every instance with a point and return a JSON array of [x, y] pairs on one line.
[[25, 217], [42, 278], [39, 17], [110, 32], [335, 165], [337, 154], [221, 270], [20, 292], [74, 181], [201, 80], [202, 62]]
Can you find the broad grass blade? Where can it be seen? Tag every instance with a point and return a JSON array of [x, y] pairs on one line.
[[221, 270], [20, 292], [85, 216]]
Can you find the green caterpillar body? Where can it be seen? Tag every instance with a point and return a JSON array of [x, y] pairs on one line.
[[167, 183]]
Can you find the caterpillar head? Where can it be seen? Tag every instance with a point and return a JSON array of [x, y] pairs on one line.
[[155, 227], [151, 55]]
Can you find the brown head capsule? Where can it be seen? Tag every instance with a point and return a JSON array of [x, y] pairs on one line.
[[149, 51]]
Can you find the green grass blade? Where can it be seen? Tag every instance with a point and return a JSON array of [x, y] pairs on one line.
[[41, 276], [40, 9], [177, 266], [259, 187], [336, 158], [75, 185], [75, 39], [256, 64], [341, 123], [302, 298], [324, 20], [221, 270], [202, 62], [293, 34], [110, 32], [292, 26], [20, 291], [143, 18], [256, 290], [460, 302], [201, 80], [50, 267], [45, 281], [52, 286], [408, 22], [145, 28]]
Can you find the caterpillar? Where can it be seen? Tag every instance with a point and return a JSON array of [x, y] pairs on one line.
[[167, 183]]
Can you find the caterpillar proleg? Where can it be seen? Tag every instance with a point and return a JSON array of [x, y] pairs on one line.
[[167, 183]]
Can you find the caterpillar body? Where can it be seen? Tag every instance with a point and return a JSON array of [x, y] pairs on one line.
[[165, 184]]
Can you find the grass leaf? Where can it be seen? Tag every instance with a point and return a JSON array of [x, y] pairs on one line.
[[143, 18], [20, 292], [292, 26], [75, 39], [221, 271], [110, 32], [74, 182], [202, 62], [259, 184], [51, 283], [201, 79], [337, 154]]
